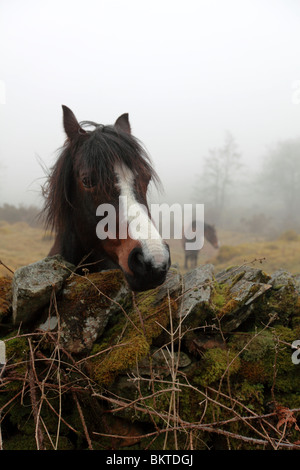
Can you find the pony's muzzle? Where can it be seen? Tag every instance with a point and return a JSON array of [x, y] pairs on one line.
[[145, 273]]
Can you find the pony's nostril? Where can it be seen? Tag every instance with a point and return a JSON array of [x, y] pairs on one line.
[[139, 259], [145, 274], [138, 265], [163, 268], [136, 261]]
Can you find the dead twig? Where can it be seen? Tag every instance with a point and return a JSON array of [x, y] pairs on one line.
[[36, 406]]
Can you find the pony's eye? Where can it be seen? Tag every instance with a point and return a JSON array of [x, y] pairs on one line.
[[88, 182]]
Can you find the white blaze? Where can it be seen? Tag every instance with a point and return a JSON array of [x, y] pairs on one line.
[[140, 225]]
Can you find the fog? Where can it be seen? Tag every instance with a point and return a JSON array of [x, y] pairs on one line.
[[186, 72]]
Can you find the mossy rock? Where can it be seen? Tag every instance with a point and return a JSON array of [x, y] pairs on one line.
[[250, 394], [287, 373], [214, 364], [235, 291], [295, 316], [86, 304], [281, 303], [267, 358], [17, 351], [129, 336], [252, 372], [233, 274], [33, 286], [96, 287], [257, 344]]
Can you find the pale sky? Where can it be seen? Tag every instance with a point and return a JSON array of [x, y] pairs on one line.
[[186, 72]]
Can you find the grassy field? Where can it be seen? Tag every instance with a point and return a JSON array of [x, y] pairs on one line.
[[21, 244], [239, 248]]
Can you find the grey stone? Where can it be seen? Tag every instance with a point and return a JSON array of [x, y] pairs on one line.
[[82, 321], [201, 342], [34, 284], [50, 324], [162, 363], [172, 284], [247, 272], [296, 281], [245, 287], [246, 292], [281, 279], [162, 358], [196, 288]]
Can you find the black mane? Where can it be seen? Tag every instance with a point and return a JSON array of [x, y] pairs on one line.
[[95, 151]]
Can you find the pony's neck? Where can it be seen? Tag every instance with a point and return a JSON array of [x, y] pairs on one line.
[[69, 246]]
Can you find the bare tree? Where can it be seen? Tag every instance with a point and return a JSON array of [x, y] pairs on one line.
[[280, 178], [218, 177]]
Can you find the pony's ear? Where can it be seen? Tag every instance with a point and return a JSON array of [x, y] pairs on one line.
[[123, 123], [71, 125]]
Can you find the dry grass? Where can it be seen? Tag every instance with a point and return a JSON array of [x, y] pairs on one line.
[[239, 248], [21, 244]]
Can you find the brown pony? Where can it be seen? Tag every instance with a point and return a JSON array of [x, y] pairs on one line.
[[209, 234], [97, 165]]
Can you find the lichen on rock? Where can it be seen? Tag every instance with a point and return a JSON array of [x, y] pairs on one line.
[[86, 304], [130, 336], [34, 284]]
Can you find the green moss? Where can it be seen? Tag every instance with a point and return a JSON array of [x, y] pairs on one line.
[[251, 395], [254, 372], [287, 374], [17, 350], [295, 317], [213, 365], [259, 343], [229, 307], [237, 278], [229, 268], [268, 350], [128, 339], [221, 299], [281, 302], [219, 296], [94, 290], [119, 359]]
